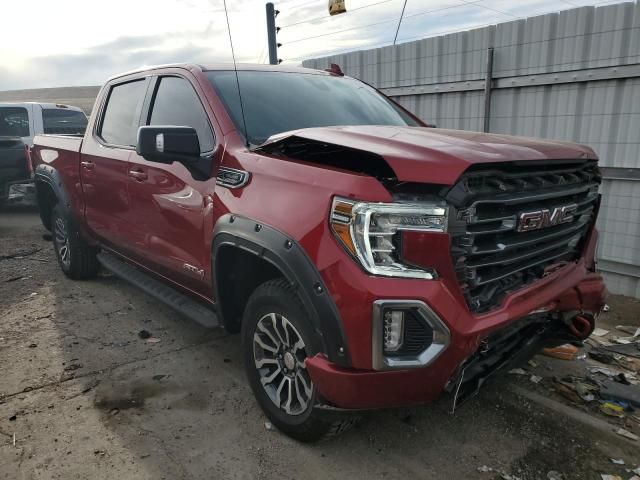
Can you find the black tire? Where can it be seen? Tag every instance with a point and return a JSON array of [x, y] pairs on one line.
[[279, 298], [76, 258]]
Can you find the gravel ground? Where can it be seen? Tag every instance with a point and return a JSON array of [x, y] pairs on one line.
[[82, 396]]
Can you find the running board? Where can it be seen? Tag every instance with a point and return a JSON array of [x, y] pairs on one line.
[[172, 297]]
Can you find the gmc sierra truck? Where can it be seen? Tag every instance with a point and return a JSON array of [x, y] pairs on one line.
[[367, 260]]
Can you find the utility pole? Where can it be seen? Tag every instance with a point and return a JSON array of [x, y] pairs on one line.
[[271, 34]]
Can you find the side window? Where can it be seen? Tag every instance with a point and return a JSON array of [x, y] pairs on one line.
[[122, 114], [177, 104], [14, 122]]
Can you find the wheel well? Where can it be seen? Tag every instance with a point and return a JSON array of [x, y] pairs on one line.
[[237, 274], [47, 199]]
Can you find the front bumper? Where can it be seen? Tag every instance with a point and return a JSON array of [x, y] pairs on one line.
[[574, 288]]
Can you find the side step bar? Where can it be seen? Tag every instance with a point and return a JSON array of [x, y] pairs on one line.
[[172, 297]]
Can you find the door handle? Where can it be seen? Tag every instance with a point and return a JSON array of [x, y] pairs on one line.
[[139, 175], [88, 165]]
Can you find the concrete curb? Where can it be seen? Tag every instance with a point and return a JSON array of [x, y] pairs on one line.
[[583, 418]]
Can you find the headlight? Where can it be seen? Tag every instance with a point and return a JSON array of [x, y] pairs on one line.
[[371, 232]]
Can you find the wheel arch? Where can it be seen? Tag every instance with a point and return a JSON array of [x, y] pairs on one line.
[[49, 192], [246, 253]]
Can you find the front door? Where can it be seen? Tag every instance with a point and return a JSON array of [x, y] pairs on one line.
[[171, 204], [104, 166]]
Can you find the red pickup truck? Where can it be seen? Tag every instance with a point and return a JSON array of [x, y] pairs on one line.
[[368, 260]]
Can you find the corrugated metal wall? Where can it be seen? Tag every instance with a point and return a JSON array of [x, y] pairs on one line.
[[573, 75]]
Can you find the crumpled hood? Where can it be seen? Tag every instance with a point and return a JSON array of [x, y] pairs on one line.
[[434, 155]]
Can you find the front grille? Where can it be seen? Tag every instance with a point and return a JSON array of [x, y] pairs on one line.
[[491, 256]]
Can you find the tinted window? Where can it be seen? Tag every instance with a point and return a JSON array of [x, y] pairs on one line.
[[177, 104], [276, 102], [61, 121], [121, 117], [14, 122]]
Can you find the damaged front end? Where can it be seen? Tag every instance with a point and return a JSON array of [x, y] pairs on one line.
[[514, 345]]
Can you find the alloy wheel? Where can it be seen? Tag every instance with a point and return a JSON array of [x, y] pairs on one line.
[[62, 242], [280, 358]]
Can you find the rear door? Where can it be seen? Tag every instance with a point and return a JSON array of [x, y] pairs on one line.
[[104, 164], [171, 205]]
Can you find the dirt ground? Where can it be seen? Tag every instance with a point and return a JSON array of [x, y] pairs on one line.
[[83, 397]]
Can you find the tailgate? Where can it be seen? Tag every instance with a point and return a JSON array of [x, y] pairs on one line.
[[13, 163]]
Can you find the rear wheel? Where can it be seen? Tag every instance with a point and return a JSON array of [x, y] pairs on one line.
[[76, 259], [277, 340]]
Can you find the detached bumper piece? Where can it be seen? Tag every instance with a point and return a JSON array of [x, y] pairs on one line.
[[507, 347]]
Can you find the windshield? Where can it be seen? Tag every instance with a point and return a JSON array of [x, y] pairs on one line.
[[276, 102], [61, 121]]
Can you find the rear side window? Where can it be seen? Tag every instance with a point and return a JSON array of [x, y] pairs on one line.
[[65, 122], [122, 114], [14, 122], [177, 104]]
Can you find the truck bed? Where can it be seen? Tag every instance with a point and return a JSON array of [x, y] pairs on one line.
[[70, 143]]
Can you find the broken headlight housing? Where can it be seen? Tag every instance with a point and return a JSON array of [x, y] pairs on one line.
[[371, 232]]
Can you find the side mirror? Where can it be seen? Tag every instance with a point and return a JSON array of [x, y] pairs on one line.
[[167, 144]]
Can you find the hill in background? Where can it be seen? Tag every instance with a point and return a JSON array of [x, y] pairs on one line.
[[82, 97]]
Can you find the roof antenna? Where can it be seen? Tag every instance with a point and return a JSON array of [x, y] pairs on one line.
[[235, 68]]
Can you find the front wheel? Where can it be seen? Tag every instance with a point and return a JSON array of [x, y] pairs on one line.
[[277, 340]]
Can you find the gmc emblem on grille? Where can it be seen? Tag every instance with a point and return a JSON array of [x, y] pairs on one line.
[[546, 218]]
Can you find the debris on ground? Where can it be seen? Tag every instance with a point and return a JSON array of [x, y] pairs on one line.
[[599, 332], [153, 340], [630, 330], [503, 475], [535, 379], [612, 409], [553, 475], [601, 356], [518, 371], [630, 349], [268, 426], [72, 367], [605, 476], [620, 392], [144, 334], [627, 434], [606, 308], [563, 352], [617, 461]]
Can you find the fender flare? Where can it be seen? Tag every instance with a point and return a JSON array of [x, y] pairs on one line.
[[52, 177], [285, 254]]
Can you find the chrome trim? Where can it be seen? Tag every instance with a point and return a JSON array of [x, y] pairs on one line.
[[240, 182], [441, 337]]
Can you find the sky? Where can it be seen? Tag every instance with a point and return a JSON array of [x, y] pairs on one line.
[[84, 42]]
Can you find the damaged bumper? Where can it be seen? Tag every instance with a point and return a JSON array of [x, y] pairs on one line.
[[531, 319]]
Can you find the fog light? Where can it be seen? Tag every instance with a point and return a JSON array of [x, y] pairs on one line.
[[393, 330]]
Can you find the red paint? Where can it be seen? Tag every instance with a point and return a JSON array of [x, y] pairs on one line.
[[166, 220]]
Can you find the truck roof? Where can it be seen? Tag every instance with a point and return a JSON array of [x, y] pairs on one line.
[[42, 104], [225, 66]]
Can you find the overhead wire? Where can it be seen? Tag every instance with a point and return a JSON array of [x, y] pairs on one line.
[[326, 17], [359, 27]]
